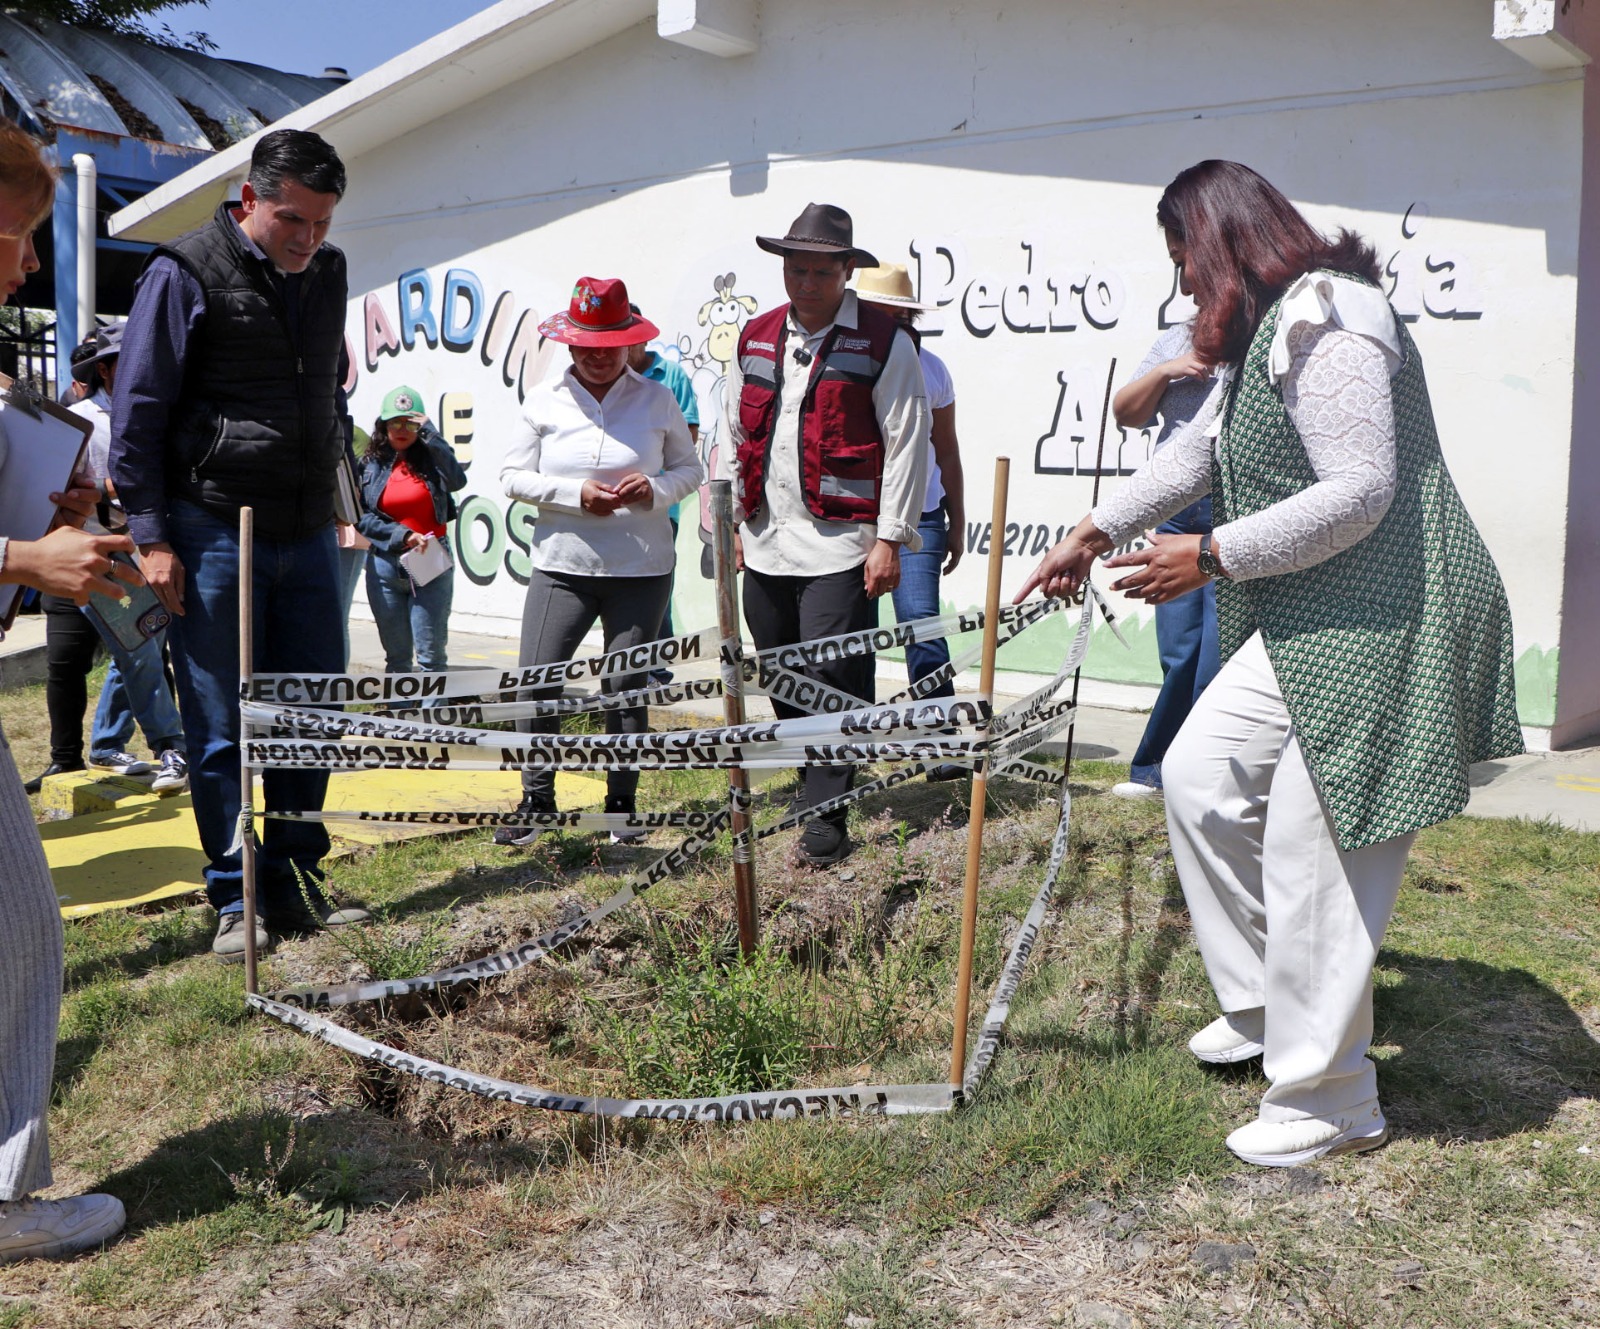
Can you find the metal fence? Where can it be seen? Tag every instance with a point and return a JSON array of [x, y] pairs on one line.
[[30, 357]]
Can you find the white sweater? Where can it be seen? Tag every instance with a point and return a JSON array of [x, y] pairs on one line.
[[1334, 350]]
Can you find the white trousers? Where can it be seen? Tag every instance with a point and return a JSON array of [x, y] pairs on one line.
[[1286, 921]]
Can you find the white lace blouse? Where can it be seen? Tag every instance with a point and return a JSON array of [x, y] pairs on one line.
[[1334, 351]]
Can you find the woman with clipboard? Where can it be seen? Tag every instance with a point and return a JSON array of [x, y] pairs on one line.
[[69, 563]]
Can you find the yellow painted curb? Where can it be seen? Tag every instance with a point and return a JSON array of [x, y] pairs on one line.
[[143, 849]]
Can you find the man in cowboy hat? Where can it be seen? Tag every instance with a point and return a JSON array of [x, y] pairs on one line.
[[827, 428], [230, 395]]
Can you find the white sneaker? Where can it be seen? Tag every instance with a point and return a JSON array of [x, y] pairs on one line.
[[120, 763], [1291, 1143], [1231, 1038], [44, 1229], [1133, 789], [172, 771]]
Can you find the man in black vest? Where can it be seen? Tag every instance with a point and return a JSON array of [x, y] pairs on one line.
[[230, 394]]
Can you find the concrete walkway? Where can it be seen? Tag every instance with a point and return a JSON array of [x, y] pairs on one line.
[[1564, 786]]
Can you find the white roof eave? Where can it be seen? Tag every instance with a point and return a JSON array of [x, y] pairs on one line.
[[488, 51]]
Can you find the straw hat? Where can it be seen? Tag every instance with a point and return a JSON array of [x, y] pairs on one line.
[[888, 284]]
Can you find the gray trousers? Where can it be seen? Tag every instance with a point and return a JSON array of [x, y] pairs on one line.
[[559, 610], [30, 990]]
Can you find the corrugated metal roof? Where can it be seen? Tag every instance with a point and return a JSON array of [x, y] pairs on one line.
[[53, 75]]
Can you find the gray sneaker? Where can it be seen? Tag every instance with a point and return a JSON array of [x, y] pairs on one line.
[[46, 1229], [228, 946], [119, 763]]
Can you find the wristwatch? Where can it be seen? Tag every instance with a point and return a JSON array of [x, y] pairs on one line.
[[1206, 561]]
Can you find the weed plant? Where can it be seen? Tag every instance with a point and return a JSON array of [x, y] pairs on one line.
[[710, 1021]]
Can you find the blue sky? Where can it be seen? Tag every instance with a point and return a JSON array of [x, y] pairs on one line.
[[304, 36]]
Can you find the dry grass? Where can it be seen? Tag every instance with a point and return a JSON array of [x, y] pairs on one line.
[[272, 1181]]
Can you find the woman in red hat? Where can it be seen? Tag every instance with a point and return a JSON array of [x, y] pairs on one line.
[[603, 453]]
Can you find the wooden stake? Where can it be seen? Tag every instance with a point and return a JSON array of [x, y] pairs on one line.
[[727, 575], [1094, 502], [980, 775], [247, 821]]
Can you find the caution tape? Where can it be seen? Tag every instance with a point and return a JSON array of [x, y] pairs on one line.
[[994, 1020], [943, 715], [1013, 732], [889, 1100], [705, 646]]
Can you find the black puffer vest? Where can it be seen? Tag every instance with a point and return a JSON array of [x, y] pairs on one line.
[[257, 422]]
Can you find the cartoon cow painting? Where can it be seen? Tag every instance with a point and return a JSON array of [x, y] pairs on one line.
[[723, 318]]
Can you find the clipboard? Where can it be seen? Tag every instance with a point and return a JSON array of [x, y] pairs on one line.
[[42, 446]]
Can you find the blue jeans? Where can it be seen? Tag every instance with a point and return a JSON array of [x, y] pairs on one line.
[[917, 596], [351, 561], [1186, 635], [409, 616], [297, 630], [135, 689]]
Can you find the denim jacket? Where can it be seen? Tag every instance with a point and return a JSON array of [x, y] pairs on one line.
[[431, 458]]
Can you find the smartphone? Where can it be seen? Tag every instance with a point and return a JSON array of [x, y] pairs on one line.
[[132, 620]]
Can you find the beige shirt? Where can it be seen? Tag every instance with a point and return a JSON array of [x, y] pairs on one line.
[[785, 539]]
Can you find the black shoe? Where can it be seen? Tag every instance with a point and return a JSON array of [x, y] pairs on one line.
[[616, 803], [300, 918], [530, 805], [34, 785], [824, 841], [946, 770]]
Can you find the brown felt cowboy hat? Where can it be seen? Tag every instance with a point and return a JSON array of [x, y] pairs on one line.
[[821, 229], [599, 316]]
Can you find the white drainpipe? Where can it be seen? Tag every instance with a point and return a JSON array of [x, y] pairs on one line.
[[83, 163]]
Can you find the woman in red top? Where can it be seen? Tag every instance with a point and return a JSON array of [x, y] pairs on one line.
[[408, 473]]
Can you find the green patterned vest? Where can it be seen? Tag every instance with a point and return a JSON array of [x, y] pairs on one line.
[[1394, 656]]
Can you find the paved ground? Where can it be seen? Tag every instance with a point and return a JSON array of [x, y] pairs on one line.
[[1561, 785]]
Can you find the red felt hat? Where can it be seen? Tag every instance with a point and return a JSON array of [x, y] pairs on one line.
[[599, 316]]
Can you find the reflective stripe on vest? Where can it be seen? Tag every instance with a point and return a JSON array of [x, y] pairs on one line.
[[841, 442]]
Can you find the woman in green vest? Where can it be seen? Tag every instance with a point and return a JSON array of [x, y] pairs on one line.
[[1365, 634]]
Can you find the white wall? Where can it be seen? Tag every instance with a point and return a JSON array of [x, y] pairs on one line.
[[1026, 148]]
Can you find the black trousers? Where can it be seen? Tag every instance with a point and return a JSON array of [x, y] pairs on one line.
[[557, 613], [70, 641], [781, 611]]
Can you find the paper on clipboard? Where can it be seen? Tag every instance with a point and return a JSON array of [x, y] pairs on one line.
[[41, 445]]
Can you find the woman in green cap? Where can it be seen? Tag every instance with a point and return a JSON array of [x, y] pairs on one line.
[[408, 473]]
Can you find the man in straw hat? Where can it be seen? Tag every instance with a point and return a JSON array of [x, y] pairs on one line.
[[942, 525], [827, 429]]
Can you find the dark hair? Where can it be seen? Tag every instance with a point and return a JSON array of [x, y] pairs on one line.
[[378, 444], [379, 447], [295, 156], [1246, 244]]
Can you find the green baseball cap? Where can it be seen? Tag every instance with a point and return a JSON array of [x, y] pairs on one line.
[[403, 403]]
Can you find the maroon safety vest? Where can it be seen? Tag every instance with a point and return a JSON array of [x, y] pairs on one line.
[[841, 445]]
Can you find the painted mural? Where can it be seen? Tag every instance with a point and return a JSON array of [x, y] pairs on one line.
[[1045, 332]]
